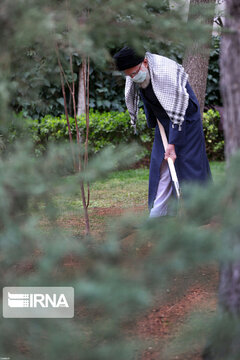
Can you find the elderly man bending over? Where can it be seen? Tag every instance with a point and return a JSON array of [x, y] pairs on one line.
[[167, 96]]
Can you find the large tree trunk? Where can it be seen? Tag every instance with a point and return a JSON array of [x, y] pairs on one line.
[[229, 289], [230, 89], [230, 78], [196, 58]]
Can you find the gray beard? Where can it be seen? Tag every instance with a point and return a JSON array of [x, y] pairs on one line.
[[146, 82]]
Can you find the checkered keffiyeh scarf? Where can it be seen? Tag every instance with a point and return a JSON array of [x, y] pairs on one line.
[[169, 85]]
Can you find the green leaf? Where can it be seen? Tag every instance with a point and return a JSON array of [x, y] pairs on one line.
[[60, 101]]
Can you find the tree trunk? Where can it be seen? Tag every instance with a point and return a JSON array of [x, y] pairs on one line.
[[230, 78], [81, 109], [229, 294], [196, 58], [230, 89]]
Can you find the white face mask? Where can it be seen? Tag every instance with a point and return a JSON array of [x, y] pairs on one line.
[[140, 77], [146, 81]]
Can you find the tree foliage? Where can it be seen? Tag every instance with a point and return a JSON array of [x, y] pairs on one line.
[[31, 33], [113, 284], [40, 75]]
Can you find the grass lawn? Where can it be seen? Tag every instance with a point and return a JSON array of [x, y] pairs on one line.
[[124, 189]]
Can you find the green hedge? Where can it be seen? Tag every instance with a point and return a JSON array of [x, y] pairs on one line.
[[107, 128], [213, 135], [110, 128]]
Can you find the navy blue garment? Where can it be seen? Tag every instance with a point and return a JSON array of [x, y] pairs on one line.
[[191, 164]]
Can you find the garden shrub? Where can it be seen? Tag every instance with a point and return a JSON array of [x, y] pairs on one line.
[[109, 128], [213, 95], [213, 135]]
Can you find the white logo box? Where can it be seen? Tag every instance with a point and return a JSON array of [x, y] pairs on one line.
[[38, 302]]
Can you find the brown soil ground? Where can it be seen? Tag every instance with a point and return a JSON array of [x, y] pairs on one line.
[[187, 293], [162, 323]]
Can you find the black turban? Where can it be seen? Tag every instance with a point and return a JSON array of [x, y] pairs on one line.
[[127, 58]]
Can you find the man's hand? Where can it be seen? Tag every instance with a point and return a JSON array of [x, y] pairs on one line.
[[170, 152]]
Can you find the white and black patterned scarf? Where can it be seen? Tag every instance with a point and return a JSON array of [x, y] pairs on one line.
[[169, 81]]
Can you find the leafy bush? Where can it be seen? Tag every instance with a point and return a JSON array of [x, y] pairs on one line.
[[213, 96], [108, 128], [213, 135]]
